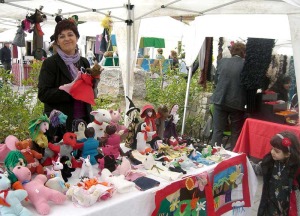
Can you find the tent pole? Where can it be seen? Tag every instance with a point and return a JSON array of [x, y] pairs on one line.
[[186, 99]]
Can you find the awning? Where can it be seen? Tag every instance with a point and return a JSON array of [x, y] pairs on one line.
[[152, 42]]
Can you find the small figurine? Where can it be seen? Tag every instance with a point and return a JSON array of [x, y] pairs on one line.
[[9, 145]]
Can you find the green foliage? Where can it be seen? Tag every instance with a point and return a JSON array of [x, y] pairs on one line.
[[17, 108], [174, 92]]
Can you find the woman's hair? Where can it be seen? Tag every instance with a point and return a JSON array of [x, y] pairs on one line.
[[89, 132], [65, 25], [239, 49], [293, 149], [174, 53]]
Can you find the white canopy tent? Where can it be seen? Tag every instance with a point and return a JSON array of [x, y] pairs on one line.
[[131, 11]]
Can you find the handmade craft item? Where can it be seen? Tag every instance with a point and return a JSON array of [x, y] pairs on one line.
[[161, 117], [142, 134], [7, 146], [86, 167], [170, 129], [149, 115], [57, 126], [111, 142], [78, 127], [115, 119], [102, 119]]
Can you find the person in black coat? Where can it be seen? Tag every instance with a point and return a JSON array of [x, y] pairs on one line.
[[5, 56], [60, 69]]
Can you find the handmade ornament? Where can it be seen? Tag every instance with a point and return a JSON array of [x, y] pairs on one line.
[[102, 119], [38, 193], [142, 134], [133, 119], [10, 201], [32, 157], [37, 129], [57, 126], [86, 167], [81, 88], [9, 145]]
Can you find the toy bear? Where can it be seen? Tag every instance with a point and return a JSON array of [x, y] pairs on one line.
[[38, 193], [31, 156], [10, 201]]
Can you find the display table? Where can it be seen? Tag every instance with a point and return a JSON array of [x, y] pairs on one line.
[[255, 136], [137, 202]]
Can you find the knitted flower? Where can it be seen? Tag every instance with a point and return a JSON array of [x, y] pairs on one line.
[[286, 142]]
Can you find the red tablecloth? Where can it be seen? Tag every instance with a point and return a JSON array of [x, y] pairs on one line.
[[255, 137]]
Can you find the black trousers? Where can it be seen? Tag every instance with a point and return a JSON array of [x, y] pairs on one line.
[[220, 122]]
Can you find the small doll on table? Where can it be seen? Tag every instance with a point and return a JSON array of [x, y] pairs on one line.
[[170, 129], [149, 116]]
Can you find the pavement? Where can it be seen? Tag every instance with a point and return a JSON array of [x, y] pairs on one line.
[[257, 196]]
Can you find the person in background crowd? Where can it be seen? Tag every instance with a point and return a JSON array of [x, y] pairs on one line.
[[229, 97], [160, 54], [173, 56], [90, 56], [281, 87], [5, 56], [62, 68], [281, 176]]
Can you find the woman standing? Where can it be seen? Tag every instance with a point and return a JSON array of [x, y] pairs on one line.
[[60, 69]]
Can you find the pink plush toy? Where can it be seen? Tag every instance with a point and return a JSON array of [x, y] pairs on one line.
[[9, 145], [38, 194], [115, 119]]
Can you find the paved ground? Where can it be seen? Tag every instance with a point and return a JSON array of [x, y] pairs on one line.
[[257, 196]]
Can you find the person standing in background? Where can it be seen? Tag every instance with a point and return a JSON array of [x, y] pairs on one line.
[[90, 56], [5, 56]]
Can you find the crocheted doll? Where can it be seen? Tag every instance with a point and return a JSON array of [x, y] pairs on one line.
[[37, 129], [38, 193], [10, 201], [149, 116], [57, 126], [9, 145], [31, 156], [133, 119]]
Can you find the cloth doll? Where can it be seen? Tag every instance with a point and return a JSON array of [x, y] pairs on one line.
[[32, 157], [57, 126], [161, 116], [112, 141], [90, 146], [38, 193], [67, 147], [102, 119], [81, 88], [37, 129], [133, 119], [170, 129], [10, 201], [149, 116], [9, 145]]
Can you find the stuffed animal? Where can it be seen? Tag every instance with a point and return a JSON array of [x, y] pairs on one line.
[[9, 145], [86, 167], [66, 171], [10, 201], [115, 119], [78, 128], [38, 193], [171, 123], [112, 142], [95, 72], [133, 119], [142, 134], [57, 126], [102, 119], [67, 147], [31, 156], [108, 162], [37, 129]]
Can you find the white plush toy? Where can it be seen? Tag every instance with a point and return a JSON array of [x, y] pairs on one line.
[[10, 201], [142, 134], [86, 167], [121, 184], [102, 119]]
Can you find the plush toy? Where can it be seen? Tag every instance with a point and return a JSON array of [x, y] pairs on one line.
[[10, 201], [95, 72], [115, 119], [78, 128], [90, 145], [133, 119], [57, 126], [102, 119], [161, 117], [31, 156], [37, 129], [142, 134], [38, 193], [66, 171], [81, 88], [86, 167], [108, 162], [170, 129], [67, 147], [112, 141], [9, 145]]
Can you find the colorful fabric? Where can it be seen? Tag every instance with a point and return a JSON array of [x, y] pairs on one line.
[[190, 196]]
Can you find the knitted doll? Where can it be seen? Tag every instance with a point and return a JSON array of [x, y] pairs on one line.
[[133, 119], [149, 115], [90, 145], [37, 129]]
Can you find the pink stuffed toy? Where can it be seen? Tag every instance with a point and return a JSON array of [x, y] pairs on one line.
[[111, 143], [115, 119], [9, 145], [38, 194]]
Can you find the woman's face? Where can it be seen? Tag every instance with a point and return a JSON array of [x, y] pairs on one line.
[[287, 86], [278, 154], [67, 42]]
